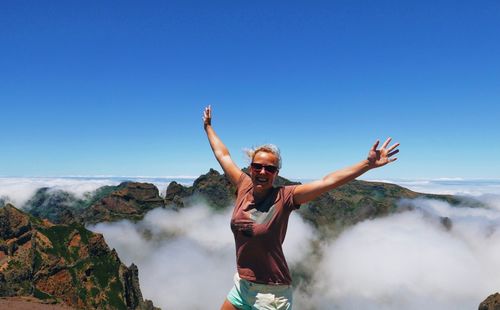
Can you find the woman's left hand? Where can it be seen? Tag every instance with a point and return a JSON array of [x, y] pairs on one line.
[[380, 157]]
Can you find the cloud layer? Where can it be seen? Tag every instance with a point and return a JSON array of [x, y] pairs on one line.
[[188, 253], [411, 261], [19, 190]]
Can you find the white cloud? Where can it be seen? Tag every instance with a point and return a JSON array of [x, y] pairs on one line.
[[20, 190], [189, 253], [411, 261], [451, 186]]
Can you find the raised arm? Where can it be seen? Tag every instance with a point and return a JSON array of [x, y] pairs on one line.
[[220, 150], [376, 158]]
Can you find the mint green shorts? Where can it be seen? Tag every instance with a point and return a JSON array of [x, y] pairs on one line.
[[247, 295]]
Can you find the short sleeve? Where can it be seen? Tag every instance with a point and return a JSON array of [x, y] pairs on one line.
[[288, 198], [244, 182]]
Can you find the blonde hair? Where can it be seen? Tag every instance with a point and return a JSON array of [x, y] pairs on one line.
[[270, 148]]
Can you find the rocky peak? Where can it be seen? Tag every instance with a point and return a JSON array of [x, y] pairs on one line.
[[13, 223], [212, 187], [492, 302], [140, 192]]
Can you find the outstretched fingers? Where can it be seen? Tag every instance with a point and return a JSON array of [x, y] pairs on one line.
[[393, 147], [207, 111], [207, 115], [374, 147], [386, 143], [392, 153]]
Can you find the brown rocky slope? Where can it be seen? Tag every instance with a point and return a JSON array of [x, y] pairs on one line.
[[63, 263]]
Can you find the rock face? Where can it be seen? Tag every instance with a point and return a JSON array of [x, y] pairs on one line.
[[491, 303], [63, 263], [212, 187]]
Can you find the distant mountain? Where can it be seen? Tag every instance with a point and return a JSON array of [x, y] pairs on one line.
[[357, 201], [55, 205], [330, 212], [63, 263], [129, 200]]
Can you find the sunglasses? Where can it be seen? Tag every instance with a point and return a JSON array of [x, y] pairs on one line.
[[267, 168]]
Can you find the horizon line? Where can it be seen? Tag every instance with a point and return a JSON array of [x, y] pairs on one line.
[[458, 179]]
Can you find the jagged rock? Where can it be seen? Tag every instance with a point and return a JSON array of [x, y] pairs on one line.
[[62, 263], [12, 223], [215, 188], [176, 193], [492, 302], [212, 187], [130, 277]]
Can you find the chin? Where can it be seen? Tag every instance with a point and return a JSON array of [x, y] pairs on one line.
[[263, 186]]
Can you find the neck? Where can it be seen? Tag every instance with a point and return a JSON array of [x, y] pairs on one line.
[[260, 195]]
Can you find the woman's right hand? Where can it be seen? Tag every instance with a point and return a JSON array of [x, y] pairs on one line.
[[207, 117]]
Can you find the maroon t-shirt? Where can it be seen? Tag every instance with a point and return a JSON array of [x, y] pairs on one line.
[[259, 231]]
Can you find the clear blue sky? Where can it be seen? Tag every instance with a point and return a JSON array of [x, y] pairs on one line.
[[118, 87]]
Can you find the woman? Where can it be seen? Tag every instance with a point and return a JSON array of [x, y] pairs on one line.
[[260, 217]]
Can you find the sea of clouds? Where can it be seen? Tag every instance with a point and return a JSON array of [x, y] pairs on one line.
[[408, 260], [19, 190]]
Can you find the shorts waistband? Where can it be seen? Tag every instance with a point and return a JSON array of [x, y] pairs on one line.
[[263, 285]]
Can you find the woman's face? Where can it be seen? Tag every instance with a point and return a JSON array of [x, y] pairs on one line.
[[263, 170]]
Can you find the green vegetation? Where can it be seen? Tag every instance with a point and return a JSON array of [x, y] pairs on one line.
[[41, 295], [94, 292], [105, 269], [115, 296], [82, 294], [14, 264], [93, 277], [58, 235], [37, 261], [93, 197]]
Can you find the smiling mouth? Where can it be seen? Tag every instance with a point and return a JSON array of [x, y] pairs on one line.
[[261, 180]]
